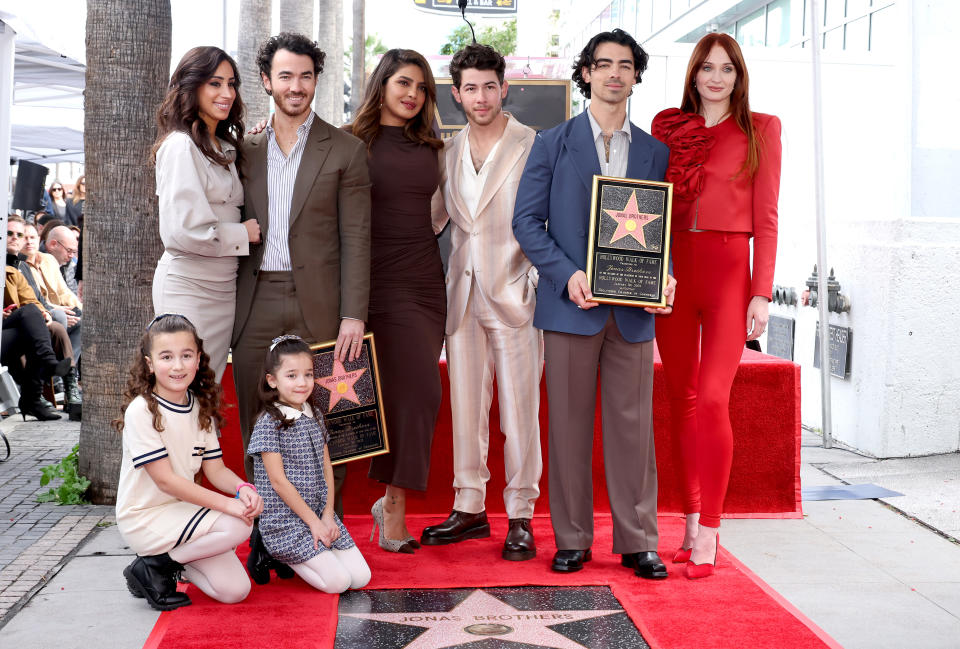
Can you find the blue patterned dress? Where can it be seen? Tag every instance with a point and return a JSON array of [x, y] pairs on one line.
[[300, 446]]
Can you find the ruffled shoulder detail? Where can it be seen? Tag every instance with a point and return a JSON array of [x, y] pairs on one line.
[[690, 141]]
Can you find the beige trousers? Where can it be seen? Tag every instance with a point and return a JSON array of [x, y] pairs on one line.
[[481, 348]]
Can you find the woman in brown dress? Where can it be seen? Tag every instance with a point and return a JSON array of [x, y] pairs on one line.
[[407, 295]]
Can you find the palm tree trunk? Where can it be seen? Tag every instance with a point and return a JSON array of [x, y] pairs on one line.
[[254, 29], [128, 67], [359, 50], [329, 104], [296, 16]]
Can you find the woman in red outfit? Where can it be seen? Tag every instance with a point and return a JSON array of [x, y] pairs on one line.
[[725, 166]]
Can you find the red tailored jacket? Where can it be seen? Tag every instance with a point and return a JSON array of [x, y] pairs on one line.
[[729, 201]]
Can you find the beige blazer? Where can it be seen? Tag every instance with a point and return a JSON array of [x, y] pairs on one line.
[[483, 247], [329, 229]]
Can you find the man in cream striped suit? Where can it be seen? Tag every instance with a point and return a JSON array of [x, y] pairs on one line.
[[490, 304]]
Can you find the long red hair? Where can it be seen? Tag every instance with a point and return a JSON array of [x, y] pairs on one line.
[[739, 98]]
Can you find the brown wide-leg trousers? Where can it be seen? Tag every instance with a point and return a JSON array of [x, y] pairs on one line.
[[626, 392]]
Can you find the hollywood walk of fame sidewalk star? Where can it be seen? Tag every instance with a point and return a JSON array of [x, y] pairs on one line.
[[489, 617], [630, 221], [340, 384]]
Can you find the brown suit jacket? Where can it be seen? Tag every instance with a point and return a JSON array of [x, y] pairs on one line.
[[329, 229], [483, 245]]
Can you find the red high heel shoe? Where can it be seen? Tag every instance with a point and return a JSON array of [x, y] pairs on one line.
[[701, 570], [682, 555]]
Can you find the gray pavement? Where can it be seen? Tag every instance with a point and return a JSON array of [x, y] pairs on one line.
[[872, 574]]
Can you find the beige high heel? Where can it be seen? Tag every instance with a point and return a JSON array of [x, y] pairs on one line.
[[402, 546]]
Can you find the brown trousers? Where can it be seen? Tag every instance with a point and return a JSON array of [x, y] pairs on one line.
[[275, 311], [626, 394]]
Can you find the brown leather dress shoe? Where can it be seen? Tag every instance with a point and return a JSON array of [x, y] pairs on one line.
[[519, 545], [459, 526]]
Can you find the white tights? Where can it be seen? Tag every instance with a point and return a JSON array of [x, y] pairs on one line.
[[210, 561], [334, 571]]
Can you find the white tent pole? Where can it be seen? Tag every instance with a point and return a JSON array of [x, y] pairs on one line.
[[822, 268], [7, 45], [7, 49]]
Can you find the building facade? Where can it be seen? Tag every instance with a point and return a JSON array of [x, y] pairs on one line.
[[890, 161]]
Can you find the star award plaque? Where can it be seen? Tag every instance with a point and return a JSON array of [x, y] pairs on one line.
[[628, 247], [348, 396]]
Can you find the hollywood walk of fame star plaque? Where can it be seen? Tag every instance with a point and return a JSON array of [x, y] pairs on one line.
[[628, 243], [581, 617], [348, 395]]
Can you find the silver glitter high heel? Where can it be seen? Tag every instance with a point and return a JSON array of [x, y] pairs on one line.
[[402, 546]]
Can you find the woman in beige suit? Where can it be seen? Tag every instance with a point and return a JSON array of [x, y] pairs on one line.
[[199, 130]]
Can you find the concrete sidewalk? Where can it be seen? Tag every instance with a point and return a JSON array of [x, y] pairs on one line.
[[872, 574]]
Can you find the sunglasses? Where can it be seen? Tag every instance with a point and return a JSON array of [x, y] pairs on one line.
[[56, 189], [11, 233]]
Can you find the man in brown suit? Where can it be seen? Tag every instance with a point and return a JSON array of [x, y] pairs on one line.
[[490, 304], [306, 183]]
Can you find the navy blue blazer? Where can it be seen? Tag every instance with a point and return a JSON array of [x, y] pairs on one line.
[[552, 214]]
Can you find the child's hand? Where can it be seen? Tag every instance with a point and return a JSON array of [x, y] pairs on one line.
[[320, 533], [238, 509], [252, 501], [331, 523]]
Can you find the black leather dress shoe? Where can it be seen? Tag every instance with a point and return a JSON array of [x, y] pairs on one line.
[[459, 526], [570, 560], [519, 545], [646, 565]]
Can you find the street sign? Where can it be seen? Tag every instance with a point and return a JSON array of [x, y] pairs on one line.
[[474, 7]]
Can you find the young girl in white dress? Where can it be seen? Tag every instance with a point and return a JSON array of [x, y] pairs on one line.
[[169, 430], [293, 473]]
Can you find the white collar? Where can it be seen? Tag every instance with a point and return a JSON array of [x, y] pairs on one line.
[[293, 413], [595, 127]]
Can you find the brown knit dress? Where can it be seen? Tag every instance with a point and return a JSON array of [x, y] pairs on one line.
[[408, 303]]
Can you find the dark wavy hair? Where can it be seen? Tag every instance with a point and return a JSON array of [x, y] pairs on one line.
[[477, 57], [271, 363], [586, 57], [366, 125], [142, 381], [292, 42], [739, 98], [180, 110]]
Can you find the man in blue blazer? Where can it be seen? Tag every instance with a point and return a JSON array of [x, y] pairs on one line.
[[583, 338]]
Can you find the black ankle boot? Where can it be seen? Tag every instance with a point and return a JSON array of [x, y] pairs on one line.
[[154, 578], [57, 368], [283, 570], [259, 560], [39, 408], [71, 396]]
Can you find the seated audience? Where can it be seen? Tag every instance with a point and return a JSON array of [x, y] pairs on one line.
[[62, 243], [26, 337], [75, 204], [45, 269], [18, 274]]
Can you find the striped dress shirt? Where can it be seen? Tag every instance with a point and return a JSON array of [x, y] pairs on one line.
[[281, 178], [619, 147]]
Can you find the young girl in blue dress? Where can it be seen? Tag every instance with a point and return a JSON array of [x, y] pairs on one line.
[[169, 429], [294, 476]]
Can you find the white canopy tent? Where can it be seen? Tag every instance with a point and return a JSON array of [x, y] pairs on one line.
[[42, 76], [42, 81]]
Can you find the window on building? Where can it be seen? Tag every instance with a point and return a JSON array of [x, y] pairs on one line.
[[857, 35], [845, 25], [752, 30]]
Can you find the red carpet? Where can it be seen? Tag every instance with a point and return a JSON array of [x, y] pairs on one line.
[[731, 609], [764, 481]]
